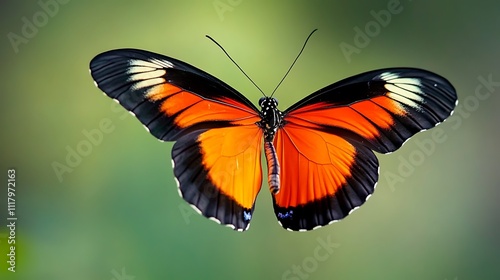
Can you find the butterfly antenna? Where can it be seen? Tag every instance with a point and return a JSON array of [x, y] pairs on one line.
[[236, 64], [291, 66]]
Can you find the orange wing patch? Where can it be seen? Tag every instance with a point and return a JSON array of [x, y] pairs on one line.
[[324, 177], [190, 109], [314, 164], [364, 118], [219, 172], [232, 158]]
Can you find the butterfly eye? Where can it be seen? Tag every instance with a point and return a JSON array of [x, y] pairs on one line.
[[261, 101], [275, 101]]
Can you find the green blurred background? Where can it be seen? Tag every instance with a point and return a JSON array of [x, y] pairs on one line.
[[117, 214]]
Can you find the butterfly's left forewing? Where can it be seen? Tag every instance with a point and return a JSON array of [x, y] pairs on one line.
[[324, 147], [216, 156], [170, 97]]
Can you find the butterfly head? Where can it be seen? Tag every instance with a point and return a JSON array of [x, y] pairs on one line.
[[268, 102], [272, 118]]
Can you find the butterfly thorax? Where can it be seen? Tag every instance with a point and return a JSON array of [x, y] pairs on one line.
[[272, 118]]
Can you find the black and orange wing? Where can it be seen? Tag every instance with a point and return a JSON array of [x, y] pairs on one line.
[[325, 147], [206, 117]]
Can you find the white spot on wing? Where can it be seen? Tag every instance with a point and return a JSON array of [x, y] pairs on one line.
[[178, 189], [214, 219], [403, 100], [403, 96], [413, 88], [142, 63], [195, 209], [388, 76], [233, 227], [139, 69], [147, 75], [248, 226], [404, 92], [352, 210], [164, 63], [410, 81], [148, 83]]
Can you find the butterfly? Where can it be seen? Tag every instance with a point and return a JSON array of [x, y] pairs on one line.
[[320, 156]]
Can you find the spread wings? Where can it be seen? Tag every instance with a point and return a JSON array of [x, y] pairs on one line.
[[324, 147]]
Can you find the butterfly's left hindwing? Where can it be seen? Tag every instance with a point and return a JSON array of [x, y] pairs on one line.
[[178, 102], [219, 171]]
